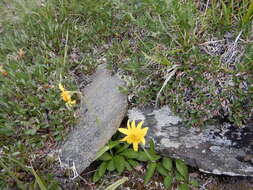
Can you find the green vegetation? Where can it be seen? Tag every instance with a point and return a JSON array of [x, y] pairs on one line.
[[119, 157], [42, 45]]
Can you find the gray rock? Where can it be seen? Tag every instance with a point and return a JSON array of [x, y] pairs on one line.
[[102, 109], [222, 149]]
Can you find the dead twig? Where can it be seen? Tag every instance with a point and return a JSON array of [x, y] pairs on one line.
[[170, 74]]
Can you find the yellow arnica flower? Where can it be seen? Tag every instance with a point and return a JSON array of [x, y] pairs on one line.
[[2, 71], [66, 95], [135, 135]]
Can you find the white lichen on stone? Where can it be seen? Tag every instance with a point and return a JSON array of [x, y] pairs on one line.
[[191, 141], [135, 114], [215, 148], [165, 117], [169, 143]]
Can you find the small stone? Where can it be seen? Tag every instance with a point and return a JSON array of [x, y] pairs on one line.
[[102, 110]]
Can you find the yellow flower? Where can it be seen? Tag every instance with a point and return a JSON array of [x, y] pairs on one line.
[[2, 71], [66, 95], [135, 135]]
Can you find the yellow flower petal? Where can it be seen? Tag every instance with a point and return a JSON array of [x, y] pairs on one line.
[[124, 139], [61, 87], [129, 141], [66, 96], [143, 141], [145, 130], [135, 146], [133, 124], [140, 124], [128, 124], [72, 102], [124, 131]]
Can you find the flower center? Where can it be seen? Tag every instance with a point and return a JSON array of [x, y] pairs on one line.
[[135, 138], [65, 96]]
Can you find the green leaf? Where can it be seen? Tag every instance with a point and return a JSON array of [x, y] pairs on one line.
[[106, 156], [182, 169], [183, 187], [150, 172], [179, 177], [168, 181], [133, 163], [6, 131], [154, 157], [165, 61], [151, 157], [119, 163], [117, 183], [142, 156], [111, 166], [130, 153], [123, 90], [152, 146], [167, 163], [122, 148], [163, 171], [128, 166], [112, 144], [30, 131], [15, 154], [101, 152], [102, 168], [194, 183], [96, 177]]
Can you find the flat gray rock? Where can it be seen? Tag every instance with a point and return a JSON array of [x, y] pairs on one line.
[[222, 149], [102, 110]]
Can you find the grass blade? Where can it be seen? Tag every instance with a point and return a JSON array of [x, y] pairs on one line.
[[38, 180], [117, 183], [12, 174], [249, 14]]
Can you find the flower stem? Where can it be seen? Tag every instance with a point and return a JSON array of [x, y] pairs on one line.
[[147, 153]]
